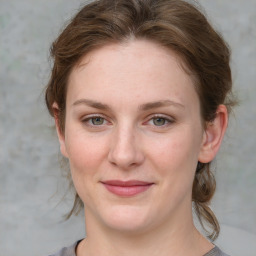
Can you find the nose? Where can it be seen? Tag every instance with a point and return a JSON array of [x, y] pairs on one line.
[[125, 151]]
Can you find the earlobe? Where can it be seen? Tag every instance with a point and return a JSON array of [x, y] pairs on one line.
[[213, 135], [61, 136]]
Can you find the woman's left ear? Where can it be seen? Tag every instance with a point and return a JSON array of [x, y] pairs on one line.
[[213, 135]]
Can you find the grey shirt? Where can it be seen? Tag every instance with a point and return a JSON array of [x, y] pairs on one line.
[[71, 251]]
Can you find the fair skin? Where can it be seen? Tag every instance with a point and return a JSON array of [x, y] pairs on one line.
[[133, 114]]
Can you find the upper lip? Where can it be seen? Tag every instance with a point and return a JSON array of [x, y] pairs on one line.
[[128, 183]]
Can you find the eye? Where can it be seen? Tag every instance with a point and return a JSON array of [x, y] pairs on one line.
[[97, 120], [94, 121], [159, 121]]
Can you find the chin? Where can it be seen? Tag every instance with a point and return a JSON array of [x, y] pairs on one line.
[[130, 219]]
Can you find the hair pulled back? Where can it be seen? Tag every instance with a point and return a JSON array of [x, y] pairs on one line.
[[175, 24]]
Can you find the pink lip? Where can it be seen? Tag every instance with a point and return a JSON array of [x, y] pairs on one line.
[[126, 188]]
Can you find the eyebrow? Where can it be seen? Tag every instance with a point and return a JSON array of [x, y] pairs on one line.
[[92, 103], [161, 103], [143, 107]]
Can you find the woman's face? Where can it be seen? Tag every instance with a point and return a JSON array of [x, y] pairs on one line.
[[133, 136]]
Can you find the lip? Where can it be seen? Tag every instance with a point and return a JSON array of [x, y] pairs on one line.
[[126, 188]]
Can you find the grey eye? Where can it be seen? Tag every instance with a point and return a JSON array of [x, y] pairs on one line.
[[159, 121], [97, 120]]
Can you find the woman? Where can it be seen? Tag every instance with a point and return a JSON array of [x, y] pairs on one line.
[[140, 92]]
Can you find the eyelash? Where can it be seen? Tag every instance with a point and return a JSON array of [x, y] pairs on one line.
[[167, 121], [88, 119]]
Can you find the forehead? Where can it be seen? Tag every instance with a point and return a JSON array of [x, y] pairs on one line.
[[142, 50], [137, 67]]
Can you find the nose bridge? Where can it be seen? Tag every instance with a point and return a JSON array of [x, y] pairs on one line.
[[125, 150]]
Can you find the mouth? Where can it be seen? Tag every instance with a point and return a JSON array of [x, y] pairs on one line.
[[126, 188]]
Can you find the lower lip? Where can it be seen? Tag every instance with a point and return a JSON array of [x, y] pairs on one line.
[[127, 191]]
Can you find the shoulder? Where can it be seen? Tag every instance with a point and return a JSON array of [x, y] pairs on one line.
[[67, 251], [216, 251]]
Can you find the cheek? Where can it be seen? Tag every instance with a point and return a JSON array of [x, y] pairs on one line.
[[175, 160], [86, 156], [178, 151], [85, 152]]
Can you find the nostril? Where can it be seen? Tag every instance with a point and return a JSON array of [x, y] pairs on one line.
[[124, 150], [125, 158]]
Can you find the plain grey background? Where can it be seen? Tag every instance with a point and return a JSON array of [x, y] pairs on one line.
[[31, 181]]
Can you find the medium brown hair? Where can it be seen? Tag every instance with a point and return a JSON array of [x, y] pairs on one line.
[[174, 24]]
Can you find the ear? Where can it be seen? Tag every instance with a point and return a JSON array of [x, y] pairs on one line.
[[61, 135], [213, 135]]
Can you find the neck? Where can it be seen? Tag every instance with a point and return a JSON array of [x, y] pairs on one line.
[[174, 237]]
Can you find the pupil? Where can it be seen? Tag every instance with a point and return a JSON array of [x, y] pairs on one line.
[[97, 120], [159, 121]]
